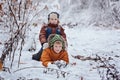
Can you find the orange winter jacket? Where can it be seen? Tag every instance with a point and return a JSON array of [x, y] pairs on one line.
[[49, 55]]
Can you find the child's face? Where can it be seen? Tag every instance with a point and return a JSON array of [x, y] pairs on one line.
[[57, 47], [53, 20]]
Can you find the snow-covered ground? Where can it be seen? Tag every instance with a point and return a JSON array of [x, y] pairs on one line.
[[84, 42], [94, 49]]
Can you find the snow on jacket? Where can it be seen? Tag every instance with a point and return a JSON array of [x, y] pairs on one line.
[[49, 55], [42, 35]]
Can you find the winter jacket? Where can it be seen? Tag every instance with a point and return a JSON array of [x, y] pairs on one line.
[[42, 35], [1, 64], [49, 55]]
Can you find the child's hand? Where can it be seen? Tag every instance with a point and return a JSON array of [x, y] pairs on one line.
[[60, 64], [63, 64], [45, 45]]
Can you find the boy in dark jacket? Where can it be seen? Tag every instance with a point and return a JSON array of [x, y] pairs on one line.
[[52, 27]]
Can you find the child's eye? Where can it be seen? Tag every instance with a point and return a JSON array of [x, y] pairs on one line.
[[53, 19]]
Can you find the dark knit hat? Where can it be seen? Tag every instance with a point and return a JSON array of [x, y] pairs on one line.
[[53, 15], [55, 37]]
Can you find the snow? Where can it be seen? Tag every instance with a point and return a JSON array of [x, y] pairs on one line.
[[84, 42], [84, 39]]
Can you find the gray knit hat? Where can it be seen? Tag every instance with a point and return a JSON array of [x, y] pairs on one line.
[[53, 15], [55, 37]]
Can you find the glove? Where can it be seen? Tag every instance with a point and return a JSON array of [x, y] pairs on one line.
[[45, 45], [50, 65], [60, 64]]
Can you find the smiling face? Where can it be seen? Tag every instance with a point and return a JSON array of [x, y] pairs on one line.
[[57, 47]]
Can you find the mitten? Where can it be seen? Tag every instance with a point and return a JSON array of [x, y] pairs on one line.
[[63, 64], [45, 45], [57, 63], [60, 64]]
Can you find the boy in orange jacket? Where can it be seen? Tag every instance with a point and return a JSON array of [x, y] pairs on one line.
[[55, 55]]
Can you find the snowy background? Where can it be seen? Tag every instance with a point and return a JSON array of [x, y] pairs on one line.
[[93, 33]]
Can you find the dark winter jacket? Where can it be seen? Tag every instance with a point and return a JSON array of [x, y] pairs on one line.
[[42, 35]]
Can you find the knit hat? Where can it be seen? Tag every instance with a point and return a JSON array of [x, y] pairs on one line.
[[55, 37], [53, 15]]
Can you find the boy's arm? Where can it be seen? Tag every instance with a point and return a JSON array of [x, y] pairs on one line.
[[42, 35], [45, 58], [65, 57], [63, 34]]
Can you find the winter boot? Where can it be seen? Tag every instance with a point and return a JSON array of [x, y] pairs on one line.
[[37, 56]]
